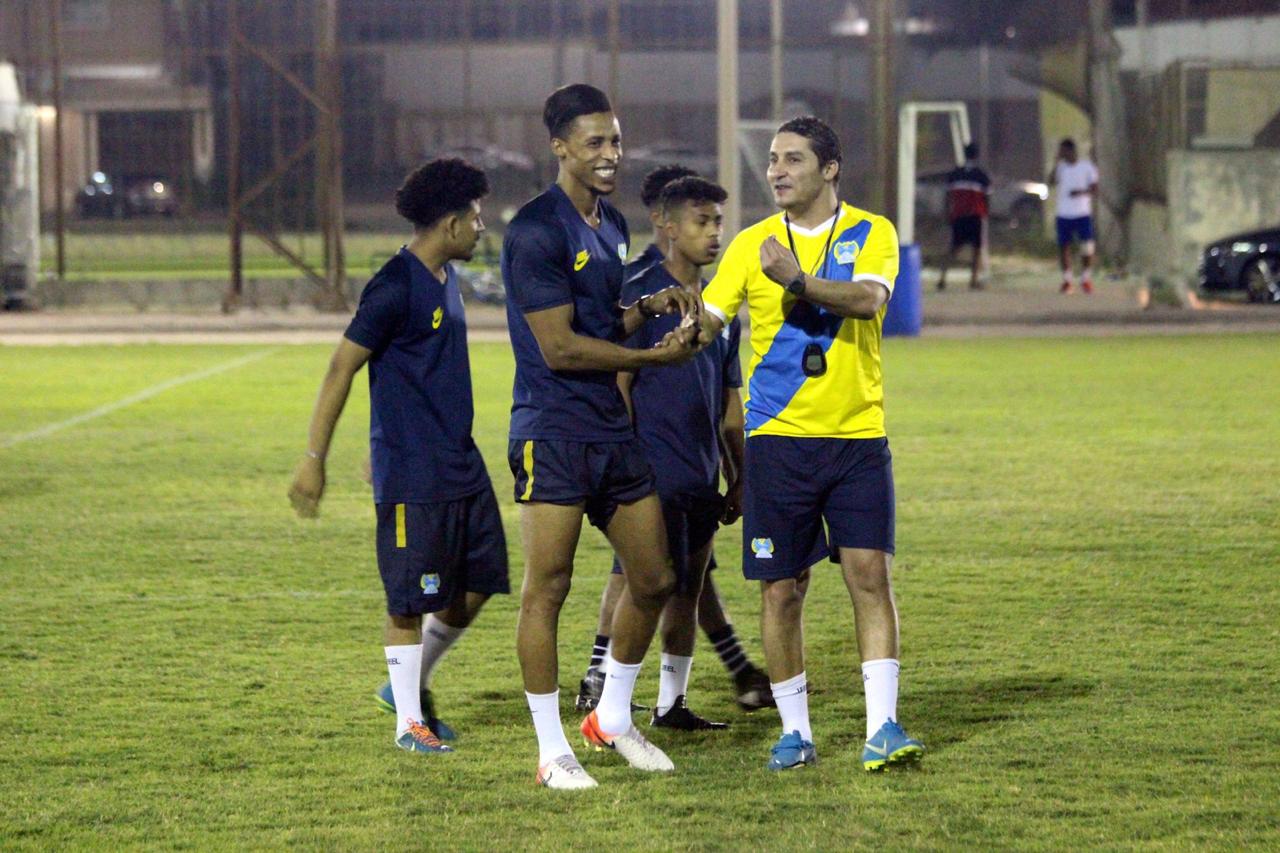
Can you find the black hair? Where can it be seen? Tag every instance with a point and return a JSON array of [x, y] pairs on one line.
[[822, 139], [1068, 142], [691, 190], [654, 182], [438, 188], [568, 102], [971, 151]]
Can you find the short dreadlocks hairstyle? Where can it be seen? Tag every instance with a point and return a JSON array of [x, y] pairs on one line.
[[438, 188], [655, 181], [690, 190]]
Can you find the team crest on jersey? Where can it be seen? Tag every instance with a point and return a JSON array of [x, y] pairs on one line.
[[622, 251], [430, 584], [437, 318], [763, 548], [581, 260], [846, 251]]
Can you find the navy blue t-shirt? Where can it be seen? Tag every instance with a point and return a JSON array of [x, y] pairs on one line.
[[419, 385], [552, 257], [678, 406]]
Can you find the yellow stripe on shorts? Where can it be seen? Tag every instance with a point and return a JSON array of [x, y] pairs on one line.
[[401, 537], [528, 470]]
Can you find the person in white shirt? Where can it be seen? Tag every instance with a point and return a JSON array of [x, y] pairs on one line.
[[1076, 180]]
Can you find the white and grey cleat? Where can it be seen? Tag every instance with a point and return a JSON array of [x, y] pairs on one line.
[[640, 753], [564, 773]]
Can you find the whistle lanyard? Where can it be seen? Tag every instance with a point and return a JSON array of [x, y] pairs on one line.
[[822, 262]]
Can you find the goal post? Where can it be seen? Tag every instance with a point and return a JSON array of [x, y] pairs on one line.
[[908, 114]]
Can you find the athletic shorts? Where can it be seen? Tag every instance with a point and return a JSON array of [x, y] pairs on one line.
[[602, 475], [691, 522], [966, 231], [428, 553], [1078, 228], [793, 485]]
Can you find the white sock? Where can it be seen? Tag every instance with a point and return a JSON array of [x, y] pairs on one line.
[[437, 637], [614, 711], [545, 708], [1067, 277], [792, 697], [880, 682], [403, 665], [673, 682]]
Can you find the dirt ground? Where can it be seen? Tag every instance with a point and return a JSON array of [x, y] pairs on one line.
[[1020, 300]]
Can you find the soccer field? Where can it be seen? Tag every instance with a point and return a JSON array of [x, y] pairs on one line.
[[1088, 545]]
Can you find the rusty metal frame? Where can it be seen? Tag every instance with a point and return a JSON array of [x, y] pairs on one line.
[[324, 144]]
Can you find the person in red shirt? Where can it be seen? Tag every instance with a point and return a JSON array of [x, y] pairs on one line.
[[968, 189]]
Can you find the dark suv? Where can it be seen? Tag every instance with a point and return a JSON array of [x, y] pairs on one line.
[[1248, 262]]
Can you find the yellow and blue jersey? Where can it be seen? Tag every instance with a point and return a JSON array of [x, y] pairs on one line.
[[847, 400]]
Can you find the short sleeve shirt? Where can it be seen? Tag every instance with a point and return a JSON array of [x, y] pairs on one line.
[[847, 401], [552, 257], [679, 407], [967, 190], [1079, 175], [420, 418]]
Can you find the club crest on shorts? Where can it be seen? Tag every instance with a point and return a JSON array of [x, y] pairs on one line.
[[846, 252], [763, 548], [430, 584]]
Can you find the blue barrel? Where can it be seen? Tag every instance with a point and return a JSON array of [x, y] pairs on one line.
[[906, 309]]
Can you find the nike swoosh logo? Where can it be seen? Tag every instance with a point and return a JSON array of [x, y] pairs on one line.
[[581, 261], [877, 750]]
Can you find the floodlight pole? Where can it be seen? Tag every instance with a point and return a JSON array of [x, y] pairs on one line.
[[329, 156], [727, 111], [775, 57], [59, 165], [882, 98], [235, 229]]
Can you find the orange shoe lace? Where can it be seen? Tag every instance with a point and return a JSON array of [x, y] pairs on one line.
[[423, 735]]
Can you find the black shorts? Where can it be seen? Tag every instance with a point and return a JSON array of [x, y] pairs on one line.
[[601, 475], [966, 231], [691, 522], [792, 485], [428, 553]]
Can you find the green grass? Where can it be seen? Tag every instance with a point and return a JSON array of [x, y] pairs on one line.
[[167, 255], [1086, 576]]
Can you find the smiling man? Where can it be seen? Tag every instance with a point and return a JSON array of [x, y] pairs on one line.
[[572, 447], [816, 279]]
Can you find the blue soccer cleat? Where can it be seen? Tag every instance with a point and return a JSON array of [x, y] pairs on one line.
[[791, 750], [890, 746], [419, 738], [386, 700]]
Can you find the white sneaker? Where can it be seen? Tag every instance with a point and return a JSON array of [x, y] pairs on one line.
[[564, 772], [631, 745]]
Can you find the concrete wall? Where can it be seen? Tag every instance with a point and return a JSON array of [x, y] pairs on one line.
[[1252, 39], [1212, 194]]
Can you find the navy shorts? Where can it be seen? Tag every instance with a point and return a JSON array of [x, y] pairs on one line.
[[691, 522], [428, 553], [601, 475], [966, 231], [793, 485], [1079, 228]]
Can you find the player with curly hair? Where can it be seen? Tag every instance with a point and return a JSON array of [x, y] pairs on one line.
[[440, 544]]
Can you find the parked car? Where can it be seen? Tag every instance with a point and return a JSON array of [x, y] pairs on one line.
[[1019, 203], [1248, 262], [105, 198]]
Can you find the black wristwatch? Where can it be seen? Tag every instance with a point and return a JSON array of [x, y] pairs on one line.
[[796, 285]]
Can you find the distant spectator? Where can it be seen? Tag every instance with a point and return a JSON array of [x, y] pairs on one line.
[[1077, 181], [968, 189]]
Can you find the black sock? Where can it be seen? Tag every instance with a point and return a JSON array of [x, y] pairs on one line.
[[729, 649], [598, 651]]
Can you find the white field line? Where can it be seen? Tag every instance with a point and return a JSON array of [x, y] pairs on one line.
[[145, 394]]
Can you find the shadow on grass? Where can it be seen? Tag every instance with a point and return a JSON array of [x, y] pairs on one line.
[[949, 712]]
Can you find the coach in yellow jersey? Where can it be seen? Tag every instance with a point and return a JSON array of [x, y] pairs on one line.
[[816, 279]]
